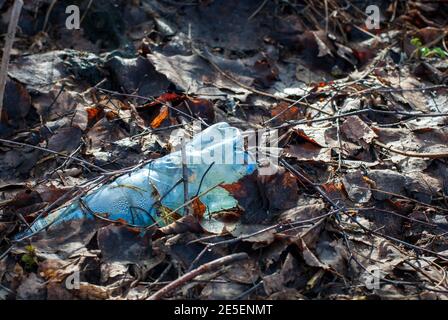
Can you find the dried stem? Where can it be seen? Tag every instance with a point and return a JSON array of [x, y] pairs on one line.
[[210, 266], [412, 154], [10, 36], [185, 175]]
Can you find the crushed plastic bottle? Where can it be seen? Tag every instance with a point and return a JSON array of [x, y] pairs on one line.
[[215, 156]]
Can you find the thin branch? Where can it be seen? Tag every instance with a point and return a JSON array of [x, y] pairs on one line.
[[258, 10], [185, 174], [210, 266], [53, 152], [47, 15], [344, 211], [412, 154], [10, 36], [188, 203], [259, 92]]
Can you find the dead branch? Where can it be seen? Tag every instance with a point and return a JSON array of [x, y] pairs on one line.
[[10, 36], [412, 154], [185, 174], [54, 152], [210, 266]]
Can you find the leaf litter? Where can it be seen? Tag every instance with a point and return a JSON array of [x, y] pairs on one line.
[[356, 209]]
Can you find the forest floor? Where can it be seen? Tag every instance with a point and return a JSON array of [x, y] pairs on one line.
[[356, 210]]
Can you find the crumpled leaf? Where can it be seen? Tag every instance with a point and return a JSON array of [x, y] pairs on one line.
[[357, 187], [358, 131]]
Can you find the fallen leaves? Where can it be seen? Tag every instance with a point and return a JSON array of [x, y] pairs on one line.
[[357, 187], [284, 111], [115, 100], [357, 131]]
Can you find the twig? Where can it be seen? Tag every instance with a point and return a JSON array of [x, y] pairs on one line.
[[258, 10], [57, 96], [10, 36], [250, 290], [359, 112], [86, 12], [210, 266], [54, 152], [163, 274], [47, 15], [412, 154], [188, 203], [346, 213], [338, 134], [7, 251], [388, 90], [277, 227], [262, 93], [404, 197], [185, 174], [366, 32], [203, 177]]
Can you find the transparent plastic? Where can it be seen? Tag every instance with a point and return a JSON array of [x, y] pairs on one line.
[[215, 156]]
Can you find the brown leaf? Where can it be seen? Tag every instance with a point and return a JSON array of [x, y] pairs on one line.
[[185, 224], [57, 291], [202, 108], [304, 212], [198, 208], [357, 131], [56, 270], [16, 102], [245, 272], [357, 188], [65, 139], [308, 152], [283, 112], [273, 283], [264, 238], [310, 258], [89, 291], [287, 294], [281, 190], [222, 291]]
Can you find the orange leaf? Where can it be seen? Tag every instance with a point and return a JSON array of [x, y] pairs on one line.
[[282, 112], [198, 208], [94, 114], [162, 116], [166, 97]]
